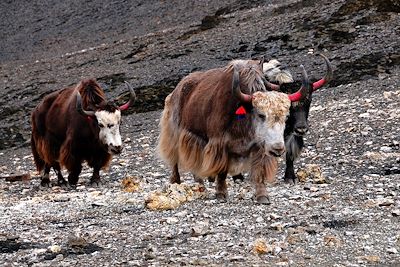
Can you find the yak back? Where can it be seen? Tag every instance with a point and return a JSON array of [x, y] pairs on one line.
[[58, 109], [207, 105]]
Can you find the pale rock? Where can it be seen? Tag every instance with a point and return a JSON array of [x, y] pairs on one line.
[[396, 212], [392, 250], [55, 249]]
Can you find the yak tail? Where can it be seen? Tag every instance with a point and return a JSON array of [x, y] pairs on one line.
[[39, 162]]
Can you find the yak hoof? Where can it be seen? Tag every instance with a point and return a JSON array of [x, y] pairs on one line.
[[221, 197], [263, 200], [174, 180], [290, 180]]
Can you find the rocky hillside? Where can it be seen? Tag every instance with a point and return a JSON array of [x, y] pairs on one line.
[[153, 44]]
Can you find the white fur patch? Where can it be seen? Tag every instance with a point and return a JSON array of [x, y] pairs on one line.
[[109, 127], [292, 147], [272, 70], [275, 107]]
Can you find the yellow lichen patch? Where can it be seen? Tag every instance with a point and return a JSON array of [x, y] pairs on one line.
[[173, 196], [331, 241], [311, 172], [130, 184], [260, 246], [370, 258]]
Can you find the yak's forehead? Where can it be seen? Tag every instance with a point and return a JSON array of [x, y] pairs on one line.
[[106, 117], [274, 105]]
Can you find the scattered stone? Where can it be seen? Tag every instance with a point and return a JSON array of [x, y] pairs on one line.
[[277, 226], [370, 258], [174, 195], [200, 228], [55, 249], [130, 184], [331, 241], [392, 251], [260, 246], [16, 177], [311, 172], [385, 201], [396, 212]]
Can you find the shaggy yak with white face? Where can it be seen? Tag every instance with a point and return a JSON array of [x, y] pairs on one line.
[[224, 121], [297, 124], [73, 125]]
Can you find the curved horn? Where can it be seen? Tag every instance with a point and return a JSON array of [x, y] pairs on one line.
[[236, 88], [270, 85], [304, 89], [328, 76], [79, 107], [132, 97]]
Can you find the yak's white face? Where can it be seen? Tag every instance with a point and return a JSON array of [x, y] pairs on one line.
[[271, 110], [275, 73], [109, 133]]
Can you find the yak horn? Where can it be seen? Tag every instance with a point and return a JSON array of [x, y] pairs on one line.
[[245, 98], [328, 76], [132, 97], [272, 86], [79, 107], [304, 89]]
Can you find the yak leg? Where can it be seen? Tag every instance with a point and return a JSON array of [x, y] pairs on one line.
[[290, 176], [96, 176], [175, 178], [60, 178], [74, 175], [45, 179], [198, 179], [263, 170], [221, 190], [261, 194], [294, 147]]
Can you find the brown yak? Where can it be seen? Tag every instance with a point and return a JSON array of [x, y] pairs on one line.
[[224, 121], [73, 125]]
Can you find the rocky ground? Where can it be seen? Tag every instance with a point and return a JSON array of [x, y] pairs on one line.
[[351, 217]]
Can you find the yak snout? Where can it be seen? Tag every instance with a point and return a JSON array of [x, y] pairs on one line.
[[114, 149], [277, 149], [301, 129]]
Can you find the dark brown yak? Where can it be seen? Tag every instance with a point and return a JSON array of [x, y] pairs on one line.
[[73, 125], [201, 133]]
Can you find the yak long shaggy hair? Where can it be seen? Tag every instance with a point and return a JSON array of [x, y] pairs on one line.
[[199, 129], [47, 146]]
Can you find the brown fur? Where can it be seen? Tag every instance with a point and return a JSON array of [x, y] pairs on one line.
[[63, 137], [199, 130]]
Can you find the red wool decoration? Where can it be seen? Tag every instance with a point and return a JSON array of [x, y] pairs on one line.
[[240, 113]]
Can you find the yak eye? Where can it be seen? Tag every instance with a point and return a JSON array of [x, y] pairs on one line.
[[109, 125], [101, 125], [261, 116]]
